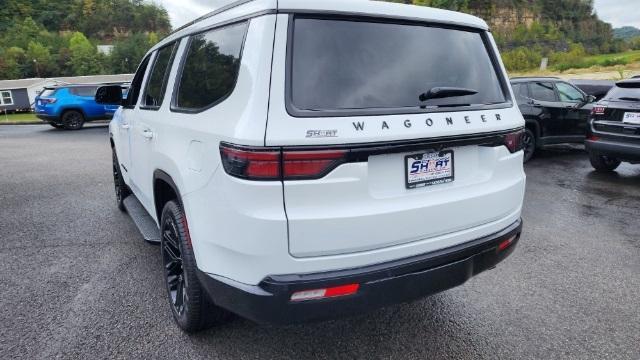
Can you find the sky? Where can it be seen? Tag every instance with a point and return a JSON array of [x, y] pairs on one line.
[[617, 12]]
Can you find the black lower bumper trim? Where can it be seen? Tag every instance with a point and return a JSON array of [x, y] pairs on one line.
[[624, 150], [380, 285]]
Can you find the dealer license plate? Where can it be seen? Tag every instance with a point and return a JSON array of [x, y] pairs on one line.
[[429, 168], [631, 118]]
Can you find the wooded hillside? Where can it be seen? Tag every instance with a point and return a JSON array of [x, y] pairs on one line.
[[527, 30], [41, 38]]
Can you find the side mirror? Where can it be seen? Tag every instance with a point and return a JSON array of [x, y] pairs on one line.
[[109, 95], [591, 99]]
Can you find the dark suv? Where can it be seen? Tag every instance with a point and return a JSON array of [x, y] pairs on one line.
[[614, 132], [555, 111]]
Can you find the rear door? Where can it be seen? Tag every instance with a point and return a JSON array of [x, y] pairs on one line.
[[547, 107], [84, 97], [144, 131], [355, 86], [125, 120], [577, 110]]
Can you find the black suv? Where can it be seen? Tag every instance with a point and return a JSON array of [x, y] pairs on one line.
[[555, 112], [614, 132]]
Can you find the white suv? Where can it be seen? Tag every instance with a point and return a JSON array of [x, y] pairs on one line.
[[311, 159]]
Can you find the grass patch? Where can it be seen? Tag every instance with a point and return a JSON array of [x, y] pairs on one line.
[[565, 62], [18, 118]]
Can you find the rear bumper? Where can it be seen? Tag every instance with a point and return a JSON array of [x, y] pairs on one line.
[[380, 285], [47, 118], [621, 149]]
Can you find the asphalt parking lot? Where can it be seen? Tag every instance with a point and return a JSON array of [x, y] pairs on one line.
[[78, 281]]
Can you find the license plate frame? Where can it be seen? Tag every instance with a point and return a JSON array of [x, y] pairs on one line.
[[632, 118], [446, 173]]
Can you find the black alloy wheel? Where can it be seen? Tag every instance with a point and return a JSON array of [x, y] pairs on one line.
[[73, 120], [174, 270], [190, 304], [528, 144]]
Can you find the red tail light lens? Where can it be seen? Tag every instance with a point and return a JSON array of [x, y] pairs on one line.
[[251, 164], [278, 164], [513, 141], [598, 110], [310, 164]]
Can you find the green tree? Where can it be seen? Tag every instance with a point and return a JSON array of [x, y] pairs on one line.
[[41, 58], [84, 57]]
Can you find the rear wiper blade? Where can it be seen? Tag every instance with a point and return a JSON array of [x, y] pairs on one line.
[[446, 92], [626, 98]]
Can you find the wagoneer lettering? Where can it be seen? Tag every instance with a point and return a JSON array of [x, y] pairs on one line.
[[301, 160]]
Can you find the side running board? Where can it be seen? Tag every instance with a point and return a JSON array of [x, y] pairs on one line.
[[145, 223]]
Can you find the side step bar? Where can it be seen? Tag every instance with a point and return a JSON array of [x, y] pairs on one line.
[[145, 223]]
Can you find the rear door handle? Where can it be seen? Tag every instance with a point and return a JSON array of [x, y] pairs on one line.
[[125, 126], [147, 134]]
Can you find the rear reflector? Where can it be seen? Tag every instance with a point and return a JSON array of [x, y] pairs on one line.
[[506, 243], [331, 292], [592, 137]]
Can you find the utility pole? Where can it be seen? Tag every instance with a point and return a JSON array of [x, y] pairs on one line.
[[35, 63]]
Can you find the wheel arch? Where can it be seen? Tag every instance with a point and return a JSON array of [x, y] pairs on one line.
[[164, 190], [533, 126], [67, 109]]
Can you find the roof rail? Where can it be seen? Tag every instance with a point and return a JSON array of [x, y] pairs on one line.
[[534, 77], [212, 14]]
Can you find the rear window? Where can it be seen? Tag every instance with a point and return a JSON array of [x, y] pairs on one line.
[[48, 92], [355, 65], [211, 67], [84, 91], [623, 94]]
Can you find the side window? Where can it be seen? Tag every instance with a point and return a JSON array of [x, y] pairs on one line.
[[543, 91], [6, 98], [211, 67], [89, 91], [568, 93], [136, 84], [157, 83], [520, 92]]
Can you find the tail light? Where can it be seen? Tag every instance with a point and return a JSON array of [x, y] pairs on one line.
[[598, 110], [279, 164], [513, 141]]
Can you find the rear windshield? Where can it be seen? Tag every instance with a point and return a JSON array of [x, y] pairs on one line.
[[623, 94], [48, 92], [351, 65]]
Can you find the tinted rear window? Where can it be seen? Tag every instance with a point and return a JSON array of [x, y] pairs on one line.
[[48, 92], [211, 67], [622, 94], [350, 65]]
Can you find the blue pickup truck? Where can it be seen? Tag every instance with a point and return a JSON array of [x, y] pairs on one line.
[[70, 106]]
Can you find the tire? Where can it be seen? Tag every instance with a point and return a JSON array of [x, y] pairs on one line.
[[190, 304], [120, 187], [603, 163], [529, 144], [57, 126], [73, 120]]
